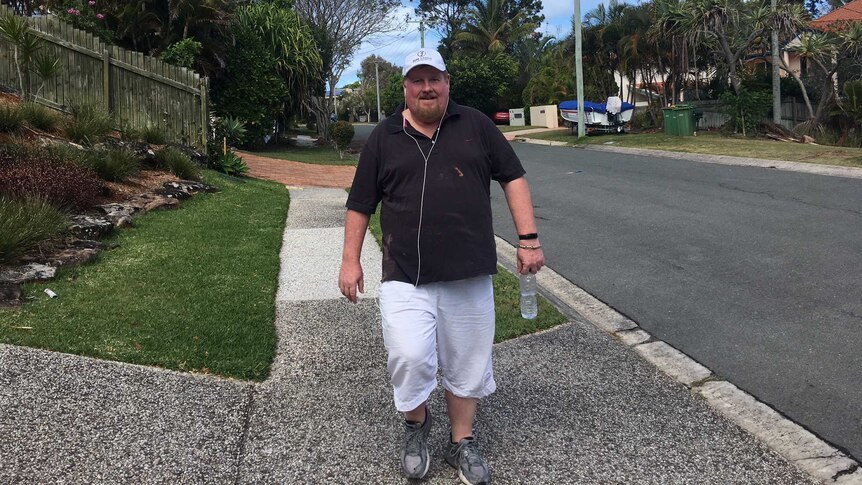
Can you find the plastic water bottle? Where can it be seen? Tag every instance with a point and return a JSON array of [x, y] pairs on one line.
[[529, 306]]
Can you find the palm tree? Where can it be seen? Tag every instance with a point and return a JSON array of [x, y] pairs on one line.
[[489, 30], [827, 52]]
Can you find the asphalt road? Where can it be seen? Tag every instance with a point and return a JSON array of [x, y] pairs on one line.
[[753, 272]]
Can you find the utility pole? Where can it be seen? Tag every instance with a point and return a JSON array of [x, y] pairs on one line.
[[776, 79], [579, 70], [377, 76], [421, 30]]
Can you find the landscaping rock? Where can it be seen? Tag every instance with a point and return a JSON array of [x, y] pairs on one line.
[[73, 252], [90, 227], [120, 215], [183, 189], [162, 203], [28, 272], [196, 156]]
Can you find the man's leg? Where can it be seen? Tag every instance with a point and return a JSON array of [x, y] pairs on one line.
[[417, 415], [465, 338], [461, 411], [409, 333]]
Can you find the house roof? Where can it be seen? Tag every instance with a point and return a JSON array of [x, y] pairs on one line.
[[852, 12]]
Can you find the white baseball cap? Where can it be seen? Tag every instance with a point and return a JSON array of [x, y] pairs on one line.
[[423, 57]]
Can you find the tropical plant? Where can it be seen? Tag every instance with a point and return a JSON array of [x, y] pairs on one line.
[[232, 164], [234, 130], [826, 52], [489, 29], [24, 223], [270, 69], [26, 47], [731, 27]]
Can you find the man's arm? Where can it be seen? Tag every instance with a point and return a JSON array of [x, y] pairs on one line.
[[521, 206], [355, 225]]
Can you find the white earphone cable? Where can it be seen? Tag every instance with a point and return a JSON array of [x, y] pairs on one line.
[[424, 179]]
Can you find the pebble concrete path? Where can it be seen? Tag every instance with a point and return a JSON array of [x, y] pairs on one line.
[[574, 404]]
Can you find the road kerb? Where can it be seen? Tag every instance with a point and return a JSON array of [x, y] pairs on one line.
[[790, 440]]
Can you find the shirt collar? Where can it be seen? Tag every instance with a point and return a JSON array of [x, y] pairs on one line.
[[395, 123]]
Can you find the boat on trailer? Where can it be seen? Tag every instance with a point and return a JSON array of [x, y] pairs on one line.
[[612, 116]]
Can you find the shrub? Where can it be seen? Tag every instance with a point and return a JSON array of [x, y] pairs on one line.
[[40, 174], [24, 224], [232, 164], [154, 135], [342, 134], [11, 118], [40, 117], [88, 124], [113, 165], [67, 153], [747, 109], [178, 163], [182, 53]]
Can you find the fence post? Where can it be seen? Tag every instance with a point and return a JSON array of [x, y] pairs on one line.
[[205, 81], [106, 78]]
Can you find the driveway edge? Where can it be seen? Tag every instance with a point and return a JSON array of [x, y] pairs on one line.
[[794, 443]]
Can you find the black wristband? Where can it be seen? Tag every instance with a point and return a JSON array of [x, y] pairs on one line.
[[531, 235]]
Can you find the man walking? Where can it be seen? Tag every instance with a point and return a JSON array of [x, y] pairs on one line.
[[431, 164]]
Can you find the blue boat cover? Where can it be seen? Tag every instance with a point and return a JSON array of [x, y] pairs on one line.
[[589, 106]]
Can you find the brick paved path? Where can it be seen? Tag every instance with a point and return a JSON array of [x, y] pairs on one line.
[[296, 173]]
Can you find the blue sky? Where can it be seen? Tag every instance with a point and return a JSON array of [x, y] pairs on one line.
[[396, 45]]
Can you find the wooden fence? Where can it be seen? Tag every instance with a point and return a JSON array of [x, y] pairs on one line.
[[792, 113], [139, 91]]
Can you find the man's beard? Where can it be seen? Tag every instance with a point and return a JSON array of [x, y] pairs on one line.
[[428, 113]]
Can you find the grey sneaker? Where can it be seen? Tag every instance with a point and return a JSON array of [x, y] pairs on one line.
[[466, 458], [414, 453]]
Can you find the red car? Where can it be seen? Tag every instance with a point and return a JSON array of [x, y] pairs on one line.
[[501, 117]]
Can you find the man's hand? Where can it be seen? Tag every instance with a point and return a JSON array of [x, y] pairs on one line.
[[350, 279], [530, 260]]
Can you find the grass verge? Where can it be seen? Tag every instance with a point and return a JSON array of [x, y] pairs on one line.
[[507, 128], [317, 155], [507, 298], [717, 144], [191, 290]]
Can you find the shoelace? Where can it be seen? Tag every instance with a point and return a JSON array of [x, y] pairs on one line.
[[413, 439], [470, 452]]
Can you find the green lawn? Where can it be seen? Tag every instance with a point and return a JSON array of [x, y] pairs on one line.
[[717, 144], [192, 289], [507, 128], [507, 297], [317, 155]]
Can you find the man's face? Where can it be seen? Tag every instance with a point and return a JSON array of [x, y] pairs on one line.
[[426, 92]]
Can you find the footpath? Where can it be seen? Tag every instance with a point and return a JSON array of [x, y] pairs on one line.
[[582, 403]]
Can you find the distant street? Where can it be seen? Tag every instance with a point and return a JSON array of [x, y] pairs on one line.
[[753, 272]]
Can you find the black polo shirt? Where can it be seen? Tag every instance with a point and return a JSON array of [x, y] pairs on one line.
[[456, 237]]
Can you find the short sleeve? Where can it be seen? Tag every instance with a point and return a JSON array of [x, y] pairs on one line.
[[505, 164], [365, 193]]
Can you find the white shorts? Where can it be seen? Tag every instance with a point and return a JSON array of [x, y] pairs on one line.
[[452, 319]]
